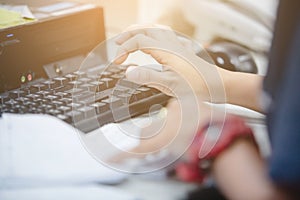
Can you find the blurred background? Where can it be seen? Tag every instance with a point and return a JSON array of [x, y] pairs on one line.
[[248, 23]]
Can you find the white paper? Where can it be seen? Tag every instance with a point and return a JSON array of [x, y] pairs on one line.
[[40, 149]]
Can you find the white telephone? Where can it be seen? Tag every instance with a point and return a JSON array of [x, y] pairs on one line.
[[246, 22]]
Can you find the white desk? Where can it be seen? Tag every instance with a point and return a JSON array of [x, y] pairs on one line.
[[148, 189]]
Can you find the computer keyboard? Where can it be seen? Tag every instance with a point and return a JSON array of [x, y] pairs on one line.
[[85, 100]]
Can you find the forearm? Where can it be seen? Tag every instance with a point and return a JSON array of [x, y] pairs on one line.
[[243, 89], [240, 173]]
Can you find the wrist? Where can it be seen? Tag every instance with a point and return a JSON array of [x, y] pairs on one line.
[[229, 81], [212, 140], [243, 89]]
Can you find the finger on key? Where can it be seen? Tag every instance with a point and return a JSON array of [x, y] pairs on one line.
[[138, 42]]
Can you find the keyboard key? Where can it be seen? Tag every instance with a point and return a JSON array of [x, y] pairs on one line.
[[57, 103], [26, 90], [3, 107], [22, 99], [63, 88], [88, 111], [34, 104], [104, 74], [74, 105], [115, 70], [51, 84], [33, 96], [39, 111], [12, 110], [43, 93], [74, 84], [46, 107], [31, 104], [75, 115], [125, 98], [16, 94], [54, 112], [108, 82], [32, 110], [97, 97], [71, 77], [62, 94], [136, 95], [22, 109], [65, 118], [80, 74], [146, 91], [100, 107], [84, 80], [88, 87], [51, 97], [4, 98], [61, 80], [74, 91], [64, 109], [97, 86], [37, 87], [42, 101], [126, 83], [11, 102], [113, 101], [93, 77], [66, 100], [82, 96], [120, 90], [118, 76]]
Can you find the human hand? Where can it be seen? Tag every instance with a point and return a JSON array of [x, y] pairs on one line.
[[184, 72]]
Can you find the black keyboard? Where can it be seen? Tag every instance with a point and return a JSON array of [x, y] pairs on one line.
[[85, 100]]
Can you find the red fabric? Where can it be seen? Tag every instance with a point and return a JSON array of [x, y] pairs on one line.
[[231, 128], [189, 172]]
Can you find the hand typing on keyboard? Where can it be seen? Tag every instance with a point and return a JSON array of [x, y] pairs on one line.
[[186, 77], [184, 72], [88, 99]]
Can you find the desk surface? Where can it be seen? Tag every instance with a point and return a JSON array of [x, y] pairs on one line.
[[151, 189]]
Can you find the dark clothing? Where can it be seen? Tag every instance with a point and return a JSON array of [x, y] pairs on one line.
[[282, 83]]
